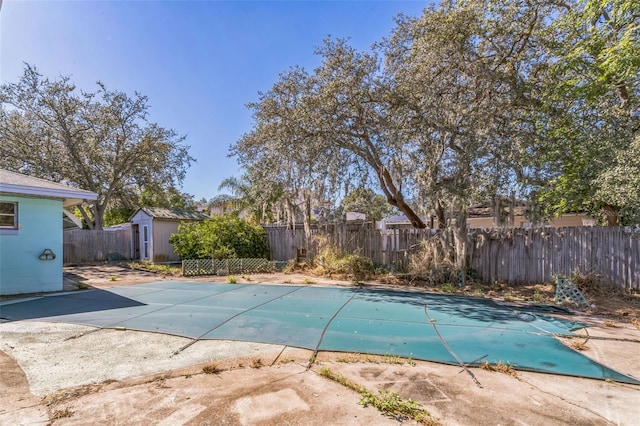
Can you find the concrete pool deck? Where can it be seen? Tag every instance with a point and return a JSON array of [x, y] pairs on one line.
[[125, 376]]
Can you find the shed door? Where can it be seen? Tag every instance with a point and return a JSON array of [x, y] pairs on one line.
[[135, 237], [145, 241]]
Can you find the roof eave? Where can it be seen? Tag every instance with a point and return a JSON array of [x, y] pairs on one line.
[[70, 197]]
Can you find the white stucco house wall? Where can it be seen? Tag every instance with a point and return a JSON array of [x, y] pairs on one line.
[[33, 213]]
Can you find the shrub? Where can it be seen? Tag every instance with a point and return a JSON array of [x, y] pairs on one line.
[[331, 261], [221, 237], [359, 267]]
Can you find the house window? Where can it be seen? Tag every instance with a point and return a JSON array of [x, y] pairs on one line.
[[8, 215]]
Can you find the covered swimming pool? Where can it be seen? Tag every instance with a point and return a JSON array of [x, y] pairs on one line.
[[418, 325]]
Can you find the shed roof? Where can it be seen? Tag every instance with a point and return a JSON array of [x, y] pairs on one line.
[[19, 184], [172, 214]]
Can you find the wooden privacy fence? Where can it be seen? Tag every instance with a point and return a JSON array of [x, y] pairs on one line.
[[517, 256], [82, 246], [536, 255], [285, 241]]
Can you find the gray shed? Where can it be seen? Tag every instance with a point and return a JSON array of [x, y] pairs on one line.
[[151, 228]]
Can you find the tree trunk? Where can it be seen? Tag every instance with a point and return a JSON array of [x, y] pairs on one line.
[[98, 217], [462, 251], [512, 210], [610, 215], [413, 217], [307, 220], [391, 191], [85, 216], [438, 208], [396, 199], [461, 243], [461, 240]]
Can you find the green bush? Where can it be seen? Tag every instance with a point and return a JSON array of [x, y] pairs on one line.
[[359, 267], [221, 237], [331, 261]]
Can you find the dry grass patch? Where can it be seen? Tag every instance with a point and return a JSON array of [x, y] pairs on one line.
[[212, 367], [59, 397], [579, 345], [61, 414], [500, 367], [352, 358], [161, 269]]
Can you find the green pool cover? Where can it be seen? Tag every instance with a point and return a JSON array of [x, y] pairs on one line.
[[433, 327]]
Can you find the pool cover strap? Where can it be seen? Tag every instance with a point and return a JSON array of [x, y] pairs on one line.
[[453, 354], [231, 318], [324, 330]]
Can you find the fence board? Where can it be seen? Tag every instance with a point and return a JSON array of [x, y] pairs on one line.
[[82, 246], [513, 255]]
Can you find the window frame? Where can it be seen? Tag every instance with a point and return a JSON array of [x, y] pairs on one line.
[[13, 227]]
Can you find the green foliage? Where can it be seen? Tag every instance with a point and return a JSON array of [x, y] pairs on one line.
[[449, 288], [590, 89], [118, 215], [392, 403], [259, 194], [619, 184], [364, 200], [170, 198], [221, 237], [386, 401]]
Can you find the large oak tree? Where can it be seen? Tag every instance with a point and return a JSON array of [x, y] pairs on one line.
[[438, 113], [593, 83], [101, 141], [474, 100]]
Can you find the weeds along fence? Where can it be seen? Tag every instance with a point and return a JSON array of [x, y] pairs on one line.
[[517, 256], [287, 243], [82, 246]]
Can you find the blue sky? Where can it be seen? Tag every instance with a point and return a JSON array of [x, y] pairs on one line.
[[199, 63]]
